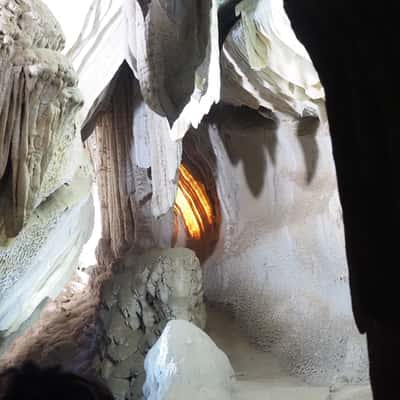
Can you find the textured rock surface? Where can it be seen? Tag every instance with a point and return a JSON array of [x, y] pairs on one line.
[[136, 167], [264, 57], [280, 264], [46, 212], [111, 147], [40, 261], [185, 363], [38, 106], [67, 333], [144, 293], [96, 41], [242, 84], [194, 28], [107, 328]]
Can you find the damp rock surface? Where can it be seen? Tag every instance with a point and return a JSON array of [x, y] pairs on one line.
[[186, 364]]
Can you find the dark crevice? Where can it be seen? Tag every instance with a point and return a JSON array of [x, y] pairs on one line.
[[227, 18]]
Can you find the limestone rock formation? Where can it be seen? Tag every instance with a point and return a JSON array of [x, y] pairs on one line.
[[279, 265], [146, 292], [45, 205], [38, 108], [58, 229], [136, 164], [194, 27], [140, 33], [186, 364], [264, 65], [280, 214]]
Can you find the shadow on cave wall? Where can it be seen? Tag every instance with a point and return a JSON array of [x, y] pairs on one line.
[[251, 138], [246, 135], [307, 130]]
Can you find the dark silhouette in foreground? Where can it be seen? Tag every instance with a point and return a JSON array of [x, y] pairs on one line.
[[353, 45], [30, 382]]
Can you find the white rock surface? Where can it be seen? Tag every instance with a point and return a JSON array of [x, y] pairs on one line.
[[280, 264], [96, 41], [265, 65], [271, 43], [352, 393], [39, 262], [186, 364]]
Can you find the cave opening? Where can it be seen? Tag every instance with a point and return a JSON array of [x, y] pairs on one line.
[[197, 215]]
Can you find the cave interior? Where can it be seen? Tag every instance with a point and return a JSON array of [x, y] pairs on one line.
[[168, 194]]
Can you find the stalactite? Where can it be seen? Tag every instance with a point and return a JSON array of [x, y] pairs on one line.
[[46, 211], [136, 163], [114, 170], [38, 105]]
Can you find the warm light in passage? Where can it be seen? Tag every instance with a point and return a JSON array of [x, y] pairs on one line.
[[193, 204]]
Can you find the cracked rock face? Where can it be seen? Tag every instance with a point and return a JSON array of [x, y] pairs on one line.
[[145, 293]]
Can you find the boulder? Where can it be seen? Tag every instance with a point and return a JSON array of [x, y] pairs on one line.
[[186, 364]]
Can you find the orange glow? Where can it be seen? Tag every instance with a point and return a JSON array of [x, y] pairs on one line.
[[192, 204]]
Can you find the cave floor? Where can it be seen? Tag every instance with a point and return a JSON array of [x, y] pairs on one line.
[[259, 375]]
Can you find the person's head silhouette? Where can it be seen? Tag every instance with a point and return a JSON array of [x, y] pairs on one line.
[[35, 383]]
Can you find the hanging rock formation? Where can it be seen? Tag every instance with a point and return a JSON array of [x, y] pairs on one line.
[[45, 206], [136, 164], [194, 27], [38, 107], [271, 63]]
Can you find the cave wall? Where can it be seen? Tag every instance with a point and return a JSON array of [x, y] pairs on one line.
[[46, 211], [280, 264]]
